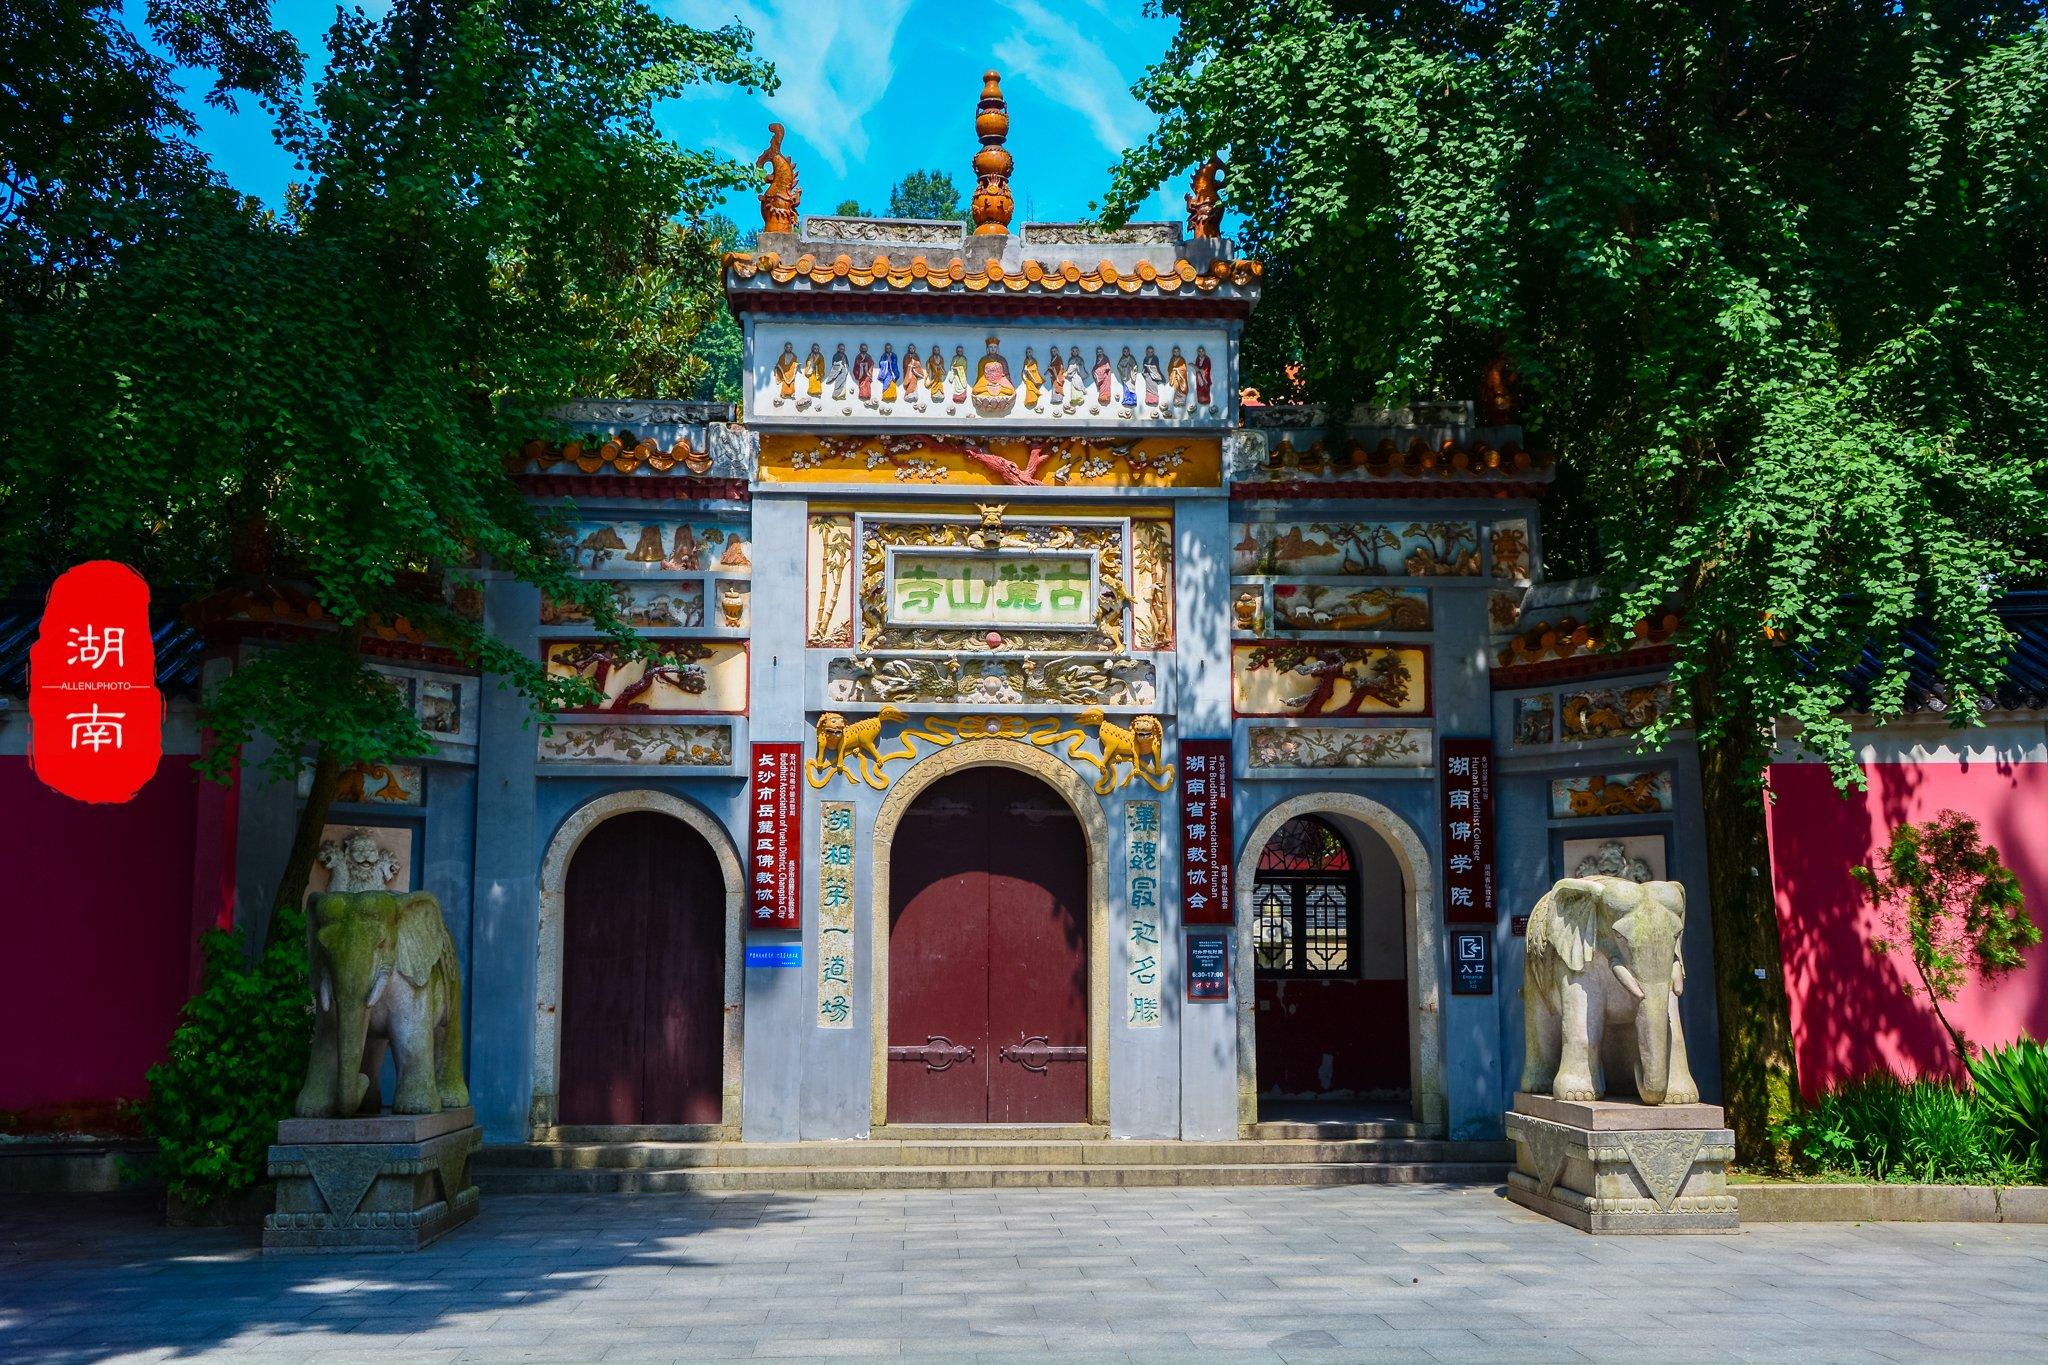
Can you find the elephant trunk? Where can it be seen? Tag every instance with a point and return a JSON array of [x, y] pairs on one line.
[[1653, 1042], [353, 1018]]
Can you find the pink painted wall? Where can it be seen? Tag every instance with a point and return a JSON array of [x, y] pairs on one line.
[[102, 925], [1849, 1014]]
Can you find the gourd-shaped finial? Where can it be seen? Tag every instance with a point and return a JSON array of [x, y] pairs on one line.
[[993, 204]]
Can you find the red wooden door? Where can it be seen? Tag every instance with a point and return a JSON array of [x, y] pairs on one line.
[[988, 951], [643, 976]]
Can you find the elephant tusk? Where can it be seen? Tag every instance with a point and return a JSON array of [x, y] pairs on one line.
[[1628, 980], [326, 995], [383, 979], [1678, 977]]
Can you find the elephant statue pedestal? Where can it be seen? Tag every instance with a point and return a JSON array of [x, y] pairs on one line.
[[1621, 1166], [394, 1182]]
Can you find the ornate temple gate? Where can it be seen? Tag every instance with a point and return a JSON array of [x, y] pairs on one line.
[[643, 976], [988, 955]]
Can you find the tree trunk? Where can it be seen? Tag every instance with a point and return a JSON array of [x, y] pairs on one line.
[[1759, 1079], [298, 868]]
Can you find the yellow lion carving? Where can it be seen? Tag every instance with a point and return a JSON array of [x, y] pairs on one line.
[[1138, 745], [859, 740]]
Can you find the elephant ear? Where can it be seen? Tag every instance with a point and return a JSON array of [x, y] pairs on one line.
[[1574, 922], [421, 936]]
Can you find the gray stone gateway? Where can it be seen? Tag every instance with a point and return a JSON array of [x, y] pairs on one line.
[[1293, 731]]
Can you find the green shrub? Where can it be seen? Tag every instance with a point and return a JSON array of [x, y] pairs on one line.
[[1882, 1128], [235, 1065], [2012, 1088]]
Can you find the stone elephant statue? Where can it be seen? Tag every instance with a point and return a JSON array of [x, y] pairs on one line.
[[1600, 985], [384, 974]]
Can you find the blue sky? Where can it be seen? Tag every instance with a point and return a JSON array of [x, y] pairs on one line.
[[870, 91]]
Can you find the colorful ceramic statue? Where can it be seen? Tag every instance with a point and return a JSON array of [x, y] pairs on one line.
[[1055, 375], [785, 374], [814, 372], [1105, 374], [841, 371], [1155, 380], [888, 372], [1177, 379], [1034, 382], [1127, 379], [935, 376], [1202, 376], [956, 375], [1077, 376], [994, 394], [780, 198], [913, 376], [864, 374]]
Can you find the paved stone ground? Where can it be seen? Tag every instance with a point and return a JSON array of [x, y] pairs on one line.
[[1157, 1274]]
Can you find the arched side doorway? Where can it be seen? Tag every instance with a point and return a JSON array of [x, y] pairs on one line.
[[1331, 967], [989, 931], [641, 970], [1352, 819]]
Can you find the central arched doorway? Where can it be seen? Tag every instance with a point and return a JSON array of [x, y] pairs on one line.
[[643, 976], [988, 1018], [1330, 968]]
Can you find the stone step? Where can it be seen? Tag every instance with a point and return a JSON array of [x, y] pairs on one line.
[[498, 1179], [1285, 1130], [658, 1156]]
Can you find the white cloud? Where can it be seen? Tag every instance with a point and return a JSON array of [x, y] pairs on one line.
[[836, 62], [1068, 63]]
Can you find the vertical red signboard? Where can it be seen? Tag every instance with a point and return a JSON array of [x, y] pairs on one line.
[[775, 853], [1468, 830], [1205, 892], [95, 716]]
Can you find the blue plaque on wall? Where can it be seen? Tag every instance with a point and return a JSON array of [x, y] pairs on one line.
[[775, 955], [1471, 962]]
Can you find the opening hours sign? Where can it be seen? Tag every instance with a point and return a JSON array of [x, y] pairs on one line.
[[1467, 783], [775, 847]]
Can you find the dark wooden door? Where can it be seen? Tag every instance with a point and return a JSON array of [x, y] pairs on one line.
[[643, 976], [988, 951]]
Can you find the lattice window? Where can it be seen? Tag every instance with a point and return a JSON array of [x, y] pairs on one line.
[[1304, 901]]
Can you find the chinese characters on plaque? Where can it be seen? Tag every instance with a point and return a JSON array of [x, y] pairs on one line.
[[1205, 831], [1208, 964], [1001, 590], [774, 861], [95, 714], [1468, 831], [835, 915], [1141, 830]]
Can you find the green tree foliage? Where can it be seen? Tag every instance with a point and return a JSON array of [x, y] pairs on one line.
[[926, 194], [324, 399], [234, 1066], [850, 208], [1952, 907], [1775, 280], [676, 338]]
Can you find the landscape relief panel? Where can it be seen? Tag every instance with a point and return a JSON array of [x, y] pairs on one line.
[[1611, 712], [684, 675], [1332, 746], [1357, 549], [1313, 607], [671, 546], [664, 746], [644, 606], [1290, 678]]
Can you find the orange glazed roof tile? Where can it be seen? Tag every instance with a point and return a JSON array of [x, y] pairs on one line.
[[1034, 276]]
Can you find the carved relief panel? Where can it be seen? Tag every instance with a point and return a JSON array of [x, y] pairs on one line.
[[1290, 678]]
